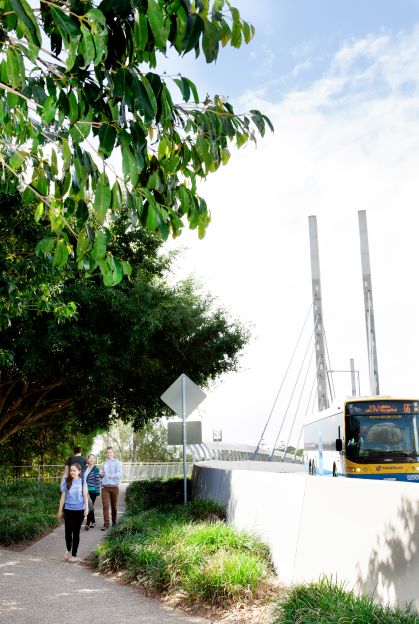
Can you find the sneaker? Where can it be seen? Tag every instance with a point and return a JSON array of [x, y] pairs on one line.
[[74, 559], [105, 527], [86, 527], [67, 555], [92, 525]]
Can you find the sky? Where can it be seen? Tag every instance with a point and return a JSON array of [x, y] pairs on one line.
[[340, 82]]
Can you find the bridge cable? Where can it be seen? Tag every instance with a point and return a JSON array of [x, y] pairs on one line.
[[294, 388], [313, 385], [298, 404], [282, 383]]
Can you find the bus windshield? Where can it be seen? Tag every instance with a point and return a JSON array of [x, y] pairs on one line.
[[381, 431]]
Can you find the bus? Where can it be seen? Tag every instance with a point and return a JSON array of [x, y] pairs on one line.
[[365, 437]]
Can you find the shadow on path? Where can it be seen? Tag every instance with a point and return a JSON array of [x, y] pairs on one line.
[[38, 587]]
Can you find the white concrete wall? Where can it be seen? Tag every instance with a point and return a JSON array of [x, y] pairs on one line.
[[365, 533]]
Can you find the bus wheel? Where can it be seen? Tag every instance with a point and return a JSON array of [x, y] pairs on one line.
[[309, 467], [335, 474], [313, 469]]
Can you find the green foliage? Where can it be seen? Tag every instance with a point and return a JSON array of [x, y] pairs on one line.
[[127, 345], [182, 548], [143, 495], [99, 87], [27, 511], [148, 444], [326, 602], [45, 445]]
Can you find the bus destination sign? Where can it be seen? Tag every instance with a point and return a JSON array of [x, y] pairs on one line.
[[392, 409]]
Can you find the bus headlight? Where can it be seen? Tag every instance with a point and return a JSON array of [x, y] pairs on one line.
[[358, 469]]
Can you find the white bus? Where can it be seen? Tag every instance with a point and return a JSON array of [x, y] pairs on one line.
[[365, 437]]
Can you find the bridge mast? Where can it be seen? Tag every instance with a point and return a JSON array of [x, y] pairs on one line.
[[368, 304], [319, 342]]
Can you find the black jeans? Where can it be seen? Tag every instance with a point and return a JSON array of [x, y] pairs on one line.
[[72, 522], [91, 515]]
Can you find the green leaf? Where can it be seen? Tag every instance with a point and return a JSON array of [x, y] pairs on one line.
[[102, 200], [236, 31], [107, 137], [66, 154], [67, 28], [99, 247], [12, 65], [241, 138], [120, 82], [49, 109], [152, 220], [116, 201], [16, 160], [150, 95], [184, 88], [45, 246], [210, 42], [193, 89], [82, 244], [39, 211], [247, 32], [60, 254], [160, 26], [130, 166], [181, 27], [140, 29], [195, 28], [54, 162], [127, 268], [87, 46], [73, 106], [29, 25]]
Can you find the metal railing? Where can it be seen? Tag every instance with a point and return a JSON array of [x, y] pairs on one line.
[[131, 471]]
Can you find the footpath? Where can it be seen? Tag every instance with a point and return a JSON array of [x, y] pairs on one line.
[[38, 587]]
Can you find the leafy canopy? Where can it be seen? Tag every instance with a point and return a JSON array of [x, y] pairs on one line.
[[126, 347], [95, 94]]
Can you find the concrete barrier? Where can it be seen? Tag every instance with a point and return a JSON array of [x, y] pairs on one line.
[[364, 533]]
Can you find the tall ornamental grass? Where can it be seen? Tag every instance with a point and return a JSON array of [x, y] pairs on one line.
[[185, 550], [27, 511], [326, 602]]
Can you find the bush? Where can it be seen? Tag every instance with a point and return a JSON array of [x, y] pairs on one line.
[[27, 511], [142, 495], [328, 603], [225, 577], [184, 549]]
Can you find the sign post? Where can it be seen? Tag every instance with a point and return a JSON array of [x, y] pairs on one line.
[[183, 396]]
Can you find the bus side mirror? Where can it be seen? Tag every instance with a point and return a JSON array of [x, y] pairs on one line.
[[339, 445]]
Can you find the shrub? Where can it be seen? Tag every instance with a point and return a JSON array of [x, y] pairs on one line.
[[27, 511], [326, 602], [225, 577], [142, 495], [182, 548]]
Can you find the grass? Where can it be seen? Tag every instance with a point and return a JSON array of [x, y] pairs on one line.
[[326, 602], [27, 511], [184, 550]]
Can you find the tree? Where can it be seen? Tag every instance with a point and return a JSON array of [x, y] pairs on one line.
[[44, 445], [65, 111], [126, 347], [148, 444]]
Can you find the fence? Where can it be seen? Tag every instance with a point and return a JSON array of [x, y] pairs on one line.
[[131, 471]]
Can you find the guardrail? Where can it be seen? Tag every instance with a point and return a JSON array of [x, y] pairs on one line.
[[131, 471]]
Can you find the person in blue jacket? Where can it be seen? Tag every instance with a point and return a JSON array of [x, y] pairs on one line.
[[91, 476], [74, 506]]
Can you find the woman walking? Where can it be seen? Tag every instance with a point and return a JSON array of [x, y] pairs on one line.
[[74, 506], [91, 475]]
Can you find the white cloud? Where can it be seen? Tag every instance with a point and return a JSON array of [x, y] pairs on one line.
[[347, 142]]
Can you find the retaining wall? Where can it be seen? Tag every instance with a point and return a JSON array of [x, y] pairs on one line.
[[365, 533]]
